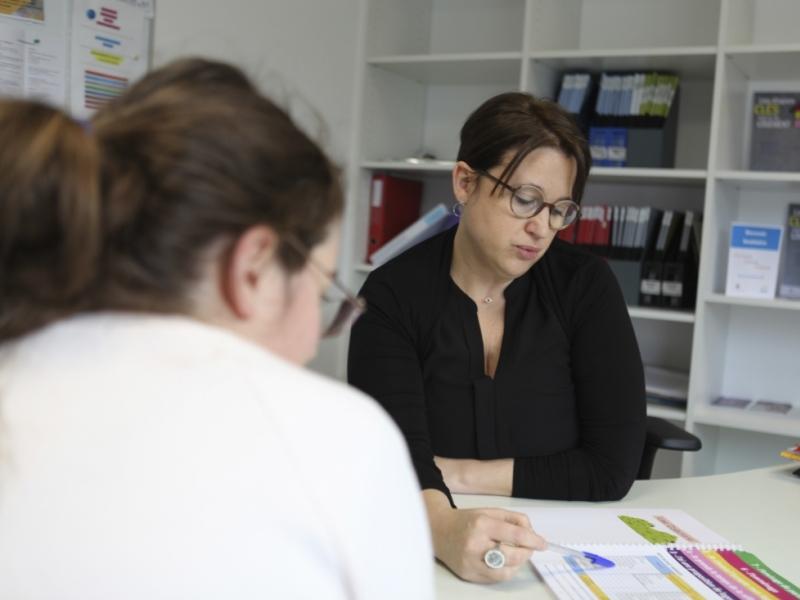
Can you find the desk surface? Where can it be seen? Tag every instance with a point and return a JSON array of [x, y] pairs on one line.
[[759, 510]]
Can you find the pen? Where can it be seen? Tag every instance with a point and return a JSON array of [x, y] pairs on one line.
[[594, 558]]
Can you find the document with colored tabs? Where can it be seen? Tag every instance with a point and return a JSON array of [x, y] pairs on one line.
[[657, 554]]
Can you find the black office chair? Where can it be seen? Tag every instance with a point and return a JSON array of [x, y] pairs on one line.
[[661, 434]]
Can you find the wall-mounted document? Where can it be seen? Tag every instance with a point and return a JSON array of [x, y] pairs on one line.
[[33, 50], [109, 52], [75, 54]]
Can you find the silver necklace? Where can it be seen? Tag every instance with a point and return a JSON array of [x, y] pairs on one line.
[[487, 300]]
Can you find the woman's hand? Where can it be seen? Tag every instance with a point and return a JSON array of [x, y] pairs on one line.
[[461, 537]]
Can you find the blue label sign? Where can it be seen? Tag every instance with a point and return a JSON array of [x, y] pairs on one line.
[[755, 237]]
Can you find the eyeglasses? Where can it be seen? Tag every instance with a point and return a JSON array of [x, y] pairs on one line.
[[348, 306], [527, 201]]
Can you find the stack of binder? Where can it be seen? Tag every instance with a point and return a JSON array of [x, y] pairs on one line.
[[630, 117], [655, 253], [670, 264], [636, 94]]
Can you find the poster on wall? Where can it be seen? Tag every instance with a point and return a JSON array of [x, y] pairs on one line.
[[33, 50], [109, 52]]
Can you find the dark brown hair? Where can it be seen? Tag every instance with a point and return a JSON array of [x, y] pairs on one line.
[[192, 156], [50, 215], [517, 123]]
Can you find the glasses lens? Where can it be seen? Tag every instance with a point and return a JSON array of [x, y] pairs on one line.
[[563, 213], [526, 201]]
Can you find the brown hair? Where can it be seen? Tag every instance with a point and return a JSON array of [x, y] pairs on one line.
[[518, 123], [192, 155], [50, 235]]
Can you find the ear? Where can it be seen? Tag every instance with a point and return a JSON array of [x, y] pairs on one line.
[[250, 263], [464, 181]]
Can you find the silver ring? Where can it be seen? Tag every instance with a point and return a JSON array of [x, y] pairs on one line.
[[494, 558]]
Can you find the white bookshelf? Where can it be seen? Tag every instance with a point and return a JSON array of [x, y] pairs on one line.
[[421, 166], [424, 65], [650, 175], [665, 412], [453, 69], [660, 314]]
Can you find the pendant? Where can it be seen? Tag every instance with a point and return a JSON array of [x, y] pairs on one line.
[[487, 300]]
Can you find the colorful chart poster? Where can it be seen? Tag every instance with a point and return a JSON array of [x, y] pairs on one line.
[[109, 51]]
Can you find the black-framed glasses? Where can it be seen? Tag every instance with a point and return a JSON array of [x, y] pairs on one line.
[[527, 201], [348, 306]]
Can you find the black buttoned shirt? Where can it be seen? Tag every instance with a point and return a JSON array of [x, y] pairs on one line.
[[567, 399]]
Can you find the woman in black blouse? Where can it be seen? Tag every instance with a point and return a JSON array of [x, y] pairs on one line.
[[506, 356]]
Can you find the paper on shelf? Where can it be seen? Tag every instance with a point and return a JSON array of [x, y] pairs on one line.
[[753, 260], [666, 383]]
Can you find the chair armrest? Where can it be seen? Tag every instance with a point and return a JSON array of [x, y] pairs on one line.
[[663, 434]]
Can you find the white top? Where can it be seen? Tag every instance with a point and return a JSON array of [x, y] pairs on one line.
[[158, 457]]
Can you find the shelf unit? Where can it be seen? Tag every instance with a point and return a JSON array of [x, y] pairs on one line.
[[424, 65]]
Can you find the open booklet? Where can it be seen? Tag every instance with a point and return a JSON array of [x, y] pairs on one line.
[[658, 554]]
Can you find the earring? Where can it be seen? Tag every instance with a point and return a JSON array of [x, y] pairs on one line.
[[457, 209]]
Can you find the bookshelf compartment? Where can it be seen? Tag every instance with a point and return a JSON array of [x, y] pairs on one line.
[[660, 314], [664, 344], [690, 63], [762, 22], [696, 72], [752, 202], [405, 118], [414, 27], [410, 166], [679, 195], [750, 353], [744, 74], [437, 188], [603, 24], [648, 176], [776, 304], [727, 450], [498, 68]]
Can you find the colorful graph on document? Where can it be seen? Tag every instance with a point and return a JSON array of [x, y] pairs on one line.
[[101, 88], [655, 573]]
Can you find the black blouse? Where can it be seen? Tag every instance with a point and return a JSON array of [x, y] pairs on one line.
[[567, 400]]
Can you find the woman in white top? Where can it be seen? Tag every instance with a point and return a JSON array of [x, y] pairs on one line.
[[161, 272]]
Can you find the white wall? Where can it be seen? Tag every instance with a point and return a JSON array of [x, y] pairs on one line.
[[300, 52]]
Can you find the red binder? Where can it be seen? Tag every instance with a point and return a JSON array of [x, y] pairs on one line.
[[394, 205], [568, 234]]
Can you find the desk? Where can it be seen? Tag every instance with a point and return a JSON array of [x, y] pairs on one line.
[[759, 510]]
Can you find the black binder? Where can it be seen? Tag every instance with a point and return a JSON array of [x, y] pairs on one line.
[[679, 279], [650, 292]]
